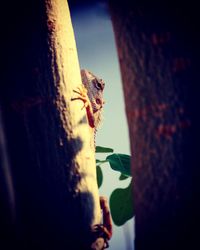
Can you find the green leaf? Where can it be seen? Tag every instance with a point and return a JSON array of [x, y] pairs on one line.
[[123, 177], [121, 163], [121, 205], [99, 162], [99, 177], [100, 149]]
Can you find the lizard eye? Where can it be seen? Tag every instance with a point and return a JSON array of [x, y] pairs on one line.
[[97, 84]]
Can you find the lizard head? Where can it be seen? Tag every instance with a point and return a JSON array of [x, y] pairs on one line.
[[95, 87]]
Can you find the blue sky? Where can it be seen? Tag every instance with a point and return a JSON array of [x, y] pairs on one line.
[[97, 53]]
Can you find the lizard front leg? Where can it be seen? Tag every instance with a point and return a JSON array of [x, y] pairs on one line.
[[83, 96]]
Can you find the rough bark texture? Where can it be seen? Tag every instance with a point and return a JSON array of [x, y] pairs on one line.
[[158, 48], [7, 196], [48, 140]]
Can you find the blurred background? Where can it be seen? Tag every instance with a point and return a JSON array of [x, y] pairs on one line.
[[97, 53]]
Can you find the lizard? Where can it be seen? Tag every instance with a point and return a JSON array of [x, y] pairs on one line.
[[91, 93]]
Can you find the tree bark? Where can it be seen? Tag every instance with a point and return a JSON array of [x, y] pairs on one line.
[[7, 194], [48, 139], [158, 49]]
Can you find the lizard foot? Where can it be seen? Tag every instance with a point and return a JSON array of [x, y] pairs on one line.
[[101, 232], [82, 95]]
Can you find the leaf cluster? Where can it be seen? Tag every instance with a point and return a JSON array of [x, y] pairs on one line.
[[121, 202]]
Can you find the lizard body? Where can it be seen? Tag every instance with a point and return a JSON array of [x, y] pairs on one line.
[[91, 93], [95, 87]]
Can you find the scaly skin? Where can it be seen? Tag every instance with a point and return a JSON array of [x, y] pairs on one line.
[[91, 93]]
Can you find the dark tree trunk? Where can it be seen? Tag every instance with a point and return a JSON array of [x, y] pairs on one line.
[[52, 167], [158, 48]]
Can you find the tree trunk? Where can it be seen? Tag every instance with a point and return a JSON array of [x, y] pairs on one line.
[[48, 139], [158, 50]]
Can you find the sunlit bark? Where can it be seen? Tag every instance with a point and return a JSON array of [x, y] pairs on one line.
[[48, 139]]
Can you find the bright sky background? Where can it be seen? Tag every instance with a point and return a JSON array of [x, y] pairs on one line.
[[97, 53]]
